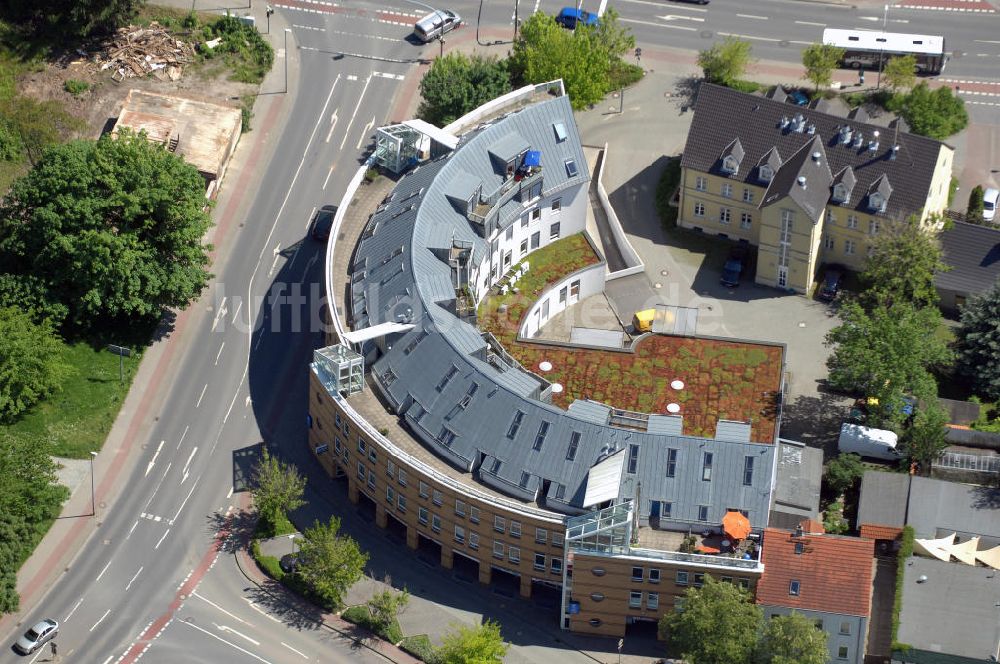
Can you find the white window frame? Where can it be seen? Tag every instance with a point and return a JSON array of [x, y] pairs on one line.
[[435, 523], [700, 183], [725, 215], [499, 524], [699, 209], [727, 190], [514, 555], [498, 549], [635, 599]]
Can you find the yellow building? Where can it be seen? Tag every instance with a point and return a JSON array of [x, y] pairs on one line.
[[804, 186]]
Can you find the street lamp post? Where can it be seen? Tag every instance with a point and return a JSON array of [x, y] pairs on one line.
[[93, 499], [441, 43], [881, 51], [287, 30], [268, 13]]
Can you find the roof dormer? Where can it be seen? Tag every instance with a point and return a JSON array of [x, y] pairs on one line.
[[732, 156], [843, 185], [768, 165], [879, 193]]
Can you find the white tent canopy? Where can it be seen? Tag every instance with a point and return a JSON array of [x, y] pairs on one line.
[[375, 332]]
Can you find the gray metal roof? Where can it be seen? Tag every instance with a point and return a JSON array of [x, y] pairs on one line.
[[953, 611], [883, 499], [470, 407], [797, 485], [938, 508]]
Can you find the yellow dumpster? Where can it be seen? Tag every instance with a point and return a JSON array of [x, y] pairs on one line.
[[643, 320]]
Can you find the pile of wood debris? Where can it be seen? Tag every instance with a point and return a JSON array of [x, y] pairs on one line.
[[135, 51]]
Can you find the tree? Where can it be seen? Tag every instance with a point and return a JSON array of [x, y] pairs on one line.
[[792, 639], [725, 62], [544, 52], [277, 490], [329, 563], [69, 18], [900, 72], [112, 229], [901, 266], [886, 354], [482, 644], [384, 606], [718, 624], [31, 363], [843, 471], [617, 40], [935, 113], [977, 342], [29, 126], [458, 83], [820, 60], [924, 440], [974, 213]]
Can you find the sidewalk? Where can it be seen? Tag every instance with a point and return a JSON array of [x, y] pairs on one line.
[[76, 525]]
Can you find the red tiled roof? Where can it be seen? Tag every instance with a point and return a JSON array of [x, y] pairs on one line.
[[813, 526], [879, 532], [834, 573]]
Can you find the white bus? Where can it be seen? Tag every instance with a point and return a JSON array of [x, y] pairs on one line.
[[866, 48]]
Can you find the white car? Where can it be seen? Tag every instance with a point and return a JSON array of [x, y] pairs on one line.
[[990, 199], [37, 636]]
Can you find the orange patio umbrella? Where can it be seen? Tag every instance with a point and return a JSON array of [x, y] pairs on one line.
[[736, 525]]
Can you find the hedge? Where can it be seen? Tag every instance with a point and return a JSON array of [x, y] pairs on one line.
[[905, 551], [359, 615]]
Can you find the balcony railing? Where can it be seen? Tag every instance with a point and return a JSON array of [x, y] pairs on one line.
[[507, 190]]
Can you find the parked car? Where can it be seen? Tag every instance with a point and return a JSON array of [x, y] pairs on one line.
[[436, 24], [990, 199], [322, 223], [733, 268], [831, 284], [568, 17], [38, 635], [799, 98], [693, 2]]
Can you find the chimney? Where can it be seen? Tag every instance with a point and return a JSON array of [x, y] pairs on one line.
[[784, 122], [816, 155], [798, 531], [845, 135], [859, 140], [893, 152], [811, 129], [802, 181], [872, 146]]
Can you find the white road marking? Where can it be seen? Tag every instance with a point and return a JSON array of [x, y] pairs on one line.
[[261, 611], [201, 396], [129, 535], [534, 11], [231, 615], [230, 494], [675, 17], [108, 660], [297, 652], [356, 107], [765, 39], [274, 263], [73, 610], [153, 460], [109, 563], [237, 312], [161, 539], [352, 77], [328, 174], [185, 500], [163, 477], [658, 25], [869, 18], [660, 5], [364, 135], [248, 402], [221, 313], [188, 463], [753, 16], [183, 435], [129, 584], [986, 41], [604, 5], [333, 125], [310, 217], [821, 25], [217, 355], [100, 619], [225, 628], [228, 643]]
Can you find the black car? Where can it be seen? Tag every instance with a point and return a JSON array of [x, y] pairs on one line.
[[831, 284], [693, 2], [733, 268], [323, 222]]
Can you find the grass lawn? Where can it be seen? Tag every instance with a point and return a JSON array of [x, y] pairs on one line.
[[77, 418], [722, 379]]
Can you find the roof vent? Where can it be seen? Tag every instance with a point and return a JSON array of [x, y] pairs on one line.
[[816, 155], [800, 123], [784, 122], [894, 152], [811, 129], [859, 140], [845, 135], [802, 181], [872, 146]]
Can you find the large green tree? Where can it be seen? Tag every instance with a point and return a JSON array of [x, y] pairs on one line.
[[112, 229], [792, 639], [719, 624], [978, 342], [458, 83], [904, 258], [936, 113], [900, 72], [923, 440], [886, 354], [482, 644], [544, 52], [726, 61], [31, 362], [277, 490], [330, 563], [69, 18], [820, 60], [30, 499]]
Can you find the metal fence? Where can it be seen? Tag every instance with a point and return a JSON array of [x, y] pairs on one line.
[[984, 463]]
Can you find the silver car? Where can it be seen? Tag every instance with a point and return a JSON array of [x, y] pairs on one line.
[[37, 636]]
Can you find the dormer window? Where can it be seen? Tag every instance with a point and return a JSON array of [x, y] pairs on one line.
[[839, 193], [766, 173], [730, 165], [876, 202]]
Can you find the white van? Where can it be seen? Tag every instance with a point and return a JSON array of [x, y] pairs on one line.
[[868, 442], [990, 197], [436, 24]]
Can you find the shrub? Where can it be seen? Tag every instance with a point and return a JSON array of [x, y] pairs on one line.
[[623, 74], [905, 551], [75, 87], [249, 55], [420, 647], [268, 564], [371, 175], [974, 213]]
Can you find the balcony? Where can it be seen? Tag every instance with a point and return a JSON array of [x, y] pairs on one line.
[[522, 180]]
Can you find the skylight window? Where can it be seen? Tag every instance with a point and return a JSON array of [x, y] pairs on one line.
[[543, 430], [560, 130], [525, 478], [495, 466], [571, 169], [574, 444], [515, 425], [452, 370]]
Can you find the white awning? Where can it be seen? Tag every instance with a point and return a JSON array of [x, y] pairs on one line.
[[443, 137], [604, 479], [375, 332]]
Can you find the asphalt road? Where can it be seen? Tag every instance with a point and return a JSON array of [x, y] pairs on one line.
[[146, 582]]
